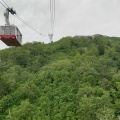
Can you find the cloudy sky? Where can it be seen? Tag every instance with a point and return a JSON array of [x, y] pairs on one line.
[[73, 17]]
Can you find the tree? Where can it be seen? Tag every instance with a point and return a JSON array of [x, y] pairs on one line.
[[25, 111]]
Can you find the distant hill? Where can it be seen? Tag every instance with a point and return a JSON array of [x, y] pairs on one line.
[[75, 78]]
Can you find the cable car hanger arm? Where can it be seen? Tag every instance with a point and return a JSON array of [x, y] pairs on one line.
[[6, 14]]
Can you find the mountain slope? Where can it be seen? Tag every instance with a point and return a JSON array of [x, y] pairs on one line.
[[76, 78]]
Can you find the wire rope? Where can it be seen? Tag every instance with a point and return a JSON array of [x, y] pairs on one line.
[[52, 13], [16, 15], [3, 5], [19, 18]]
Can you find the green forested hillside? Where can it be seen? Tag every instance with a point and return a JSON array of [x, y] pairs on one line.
[[76, 78]]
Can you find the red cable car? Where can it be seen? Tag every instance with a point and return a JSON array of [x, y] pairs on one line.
[[10, 35]]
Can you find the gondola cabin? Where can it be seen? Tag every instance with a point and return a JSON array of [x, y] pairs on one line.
[[10, 35]]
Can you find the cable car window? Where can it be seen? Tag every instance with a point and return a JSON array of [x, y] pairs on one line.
[[16, 33], [19, 36], [7, 30], [1, 31], [12, 30]]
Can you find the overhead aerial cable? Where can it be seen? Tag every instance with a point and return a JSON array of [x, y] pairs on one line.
[[28, 25], [52, 13], [3, 5], [20, 19]]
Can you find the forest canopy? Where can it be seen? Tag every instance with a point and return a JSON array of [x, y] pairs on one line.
[[75, 78]]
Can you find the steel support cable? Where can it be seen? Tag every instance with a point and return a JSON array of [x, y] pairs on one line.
[[52, 16], [52, 12], [22, 20], [25, 23], [28, 25], [16, 14], [3, 5]]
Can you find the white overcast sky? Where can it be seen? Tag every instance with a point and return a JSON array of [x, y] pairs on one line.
[[73, 17]]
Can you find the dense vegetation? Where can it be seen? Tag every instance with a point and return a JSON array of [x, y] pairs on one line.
[[76, 78]]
